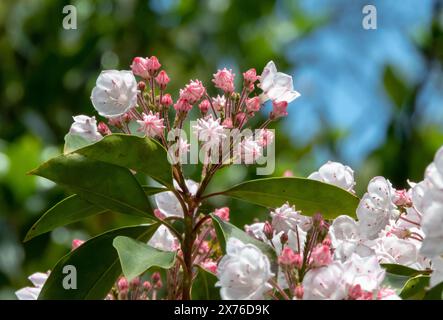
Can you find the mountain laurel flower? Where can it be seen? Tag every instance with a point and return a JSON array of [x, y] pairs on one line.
[[152, 125], [103, 129], [86, 127], [153, 65], [250, 77], [335, 173], [204, 106], [210, 131], [243, 272], [168, 203], [164, 240], [219, 102], [139, 67], [279, 109], [321, 256], [76, 243], [402, 198], [227, 123], [277, 86], [182, 105], [325, 283], [38, 279], [162, 79], [286, 218], [115, 93], [249, 150], [222, 213], [193, 91], [253, 104], [265, 137], [209, 265], [166, 100], [224, 80], [363, 271], [288, 257]]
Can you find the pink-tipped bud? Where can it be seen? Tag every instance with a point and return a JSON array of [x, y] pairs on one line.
[[240, 118], [122, 284], [224, 79], [135, 282], [204, 248], [279, 109], [288, 173], [76, 243], [127, 117], [268, 230], [356, 293], [147, 285], [193, 91], [116, 122], [321, 256], [317, 220], [287, 257], [166, 100], [139, 67], [155, 277], [253, 104], [153, 65], [158, 284], [402, 198], [299, 291], [283, 238], [141, 86], [182, 105], [162, 79], [327, 242], [204, 106], [103, 129], [159, 214], [227, 123], [210, 265], [250, 76], [222, 213]]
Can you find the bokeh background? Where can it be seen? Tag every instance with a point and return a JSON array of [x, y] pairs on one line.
[[371, 99]]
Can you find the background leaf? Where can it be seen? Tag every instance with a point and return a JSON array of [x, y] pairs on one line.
[[136, 257], [435, 293], [140, 154], [203, 287], [97, 265], [309, 196]]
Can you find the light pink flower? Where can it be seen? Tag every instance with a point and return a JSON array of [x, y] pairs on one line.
[[222, 213], [152, 125], [193, 91], [139, 67], [204, 106], [153, 65], [224, 80], [321, 256], [182, 105], [166, 100], [162, 79], [219, 102], [209, 265], [253, 104]]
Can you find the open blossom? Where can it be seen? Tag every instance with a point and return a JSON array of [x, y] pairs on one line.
[[193, 91], [219, 102], [286, 218], [277, 86], [249, 150], [391, 249], [325, 283], [115, 93], [210, 131], [85, 127], [250, 77], [162, 79], [152, 125], [168, 203], [376, 208], [38, 279], [363, 271], [243, 272], [321, 256], [164, 240], [335, 173], [289, 258], [224, 80]]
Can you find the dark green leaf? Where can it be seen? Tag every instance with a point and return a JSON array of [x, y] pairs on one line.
[[395, 87], [103, 184], [395, 281], [402, 270], [136, 257], [96, 263], [203, 287], [435, 293], [309, 196], [414, 288], [140, 154]]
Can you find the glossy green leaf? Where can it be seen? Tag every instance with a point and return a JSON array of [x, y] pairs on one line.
[[395, 281], [435, 293], [96, 263], [103, 184], [309, 196], [74, 142], [225, 230], [203, 287], [402, 270], [414, 288], [136, 257], [140, 154]]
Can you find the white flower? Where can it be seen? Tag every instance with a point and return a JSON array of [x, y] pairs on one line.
[[394, 250], [168, 203], [363, 271], [209, 130], [243, 272], [335, 173], [432, 225], [250, 150], [276, 86], [164, 240], [376, 208], [219, 102], [152, 125], [325, 283], [256, 230], [437, 271], [115, 93], [38, 279], [287, 218], [86, 127]]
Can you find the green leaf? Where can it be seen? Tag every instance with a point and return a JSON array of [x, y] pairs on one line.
[[74, 142], [225, 230], [395, 281], [203, 287], [136, 257], [435, 293], [70, 210], [414, 288], [96, 263], [140, 154], [105, 185], [402, 270], [395, 87], [309, 196]]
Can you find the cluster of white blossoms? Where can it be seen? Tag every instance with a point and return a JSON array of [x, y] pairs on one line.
[[343, 258]]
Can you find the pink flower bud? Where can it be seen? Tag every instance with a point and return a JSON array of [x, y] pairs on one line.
[[153, 65], [135, 282], [253, 104], [265, 137], [141, 85], [158, 284], [204, 247], [166, 100], [227, 123], [159, 214], [288, 173], [182, 105], [327, 242], [224, 80], [147, 285], [250, 76], [103, 129], [287, 257], [284, 238], [209, 265], [279, 110], [162, 79], [155, 277], [122, 284], [402, 198], [116, 122], [321, 256], [240, 117], [356, 293], [139, 67], [223, 213], [268, 230], [299, 291], [193, 91], [204, 106], [76, 243]]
